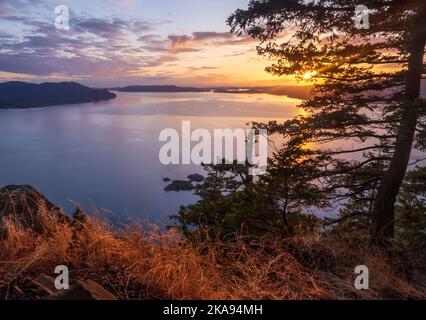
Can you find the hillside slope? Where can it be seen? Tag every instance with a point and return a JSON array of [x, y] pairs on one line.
[[133, 263]]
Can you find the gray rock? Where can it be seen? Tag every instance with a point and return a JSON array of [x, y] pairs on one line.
[[45, 284], [179, 185], [196, 177], [84, 290]]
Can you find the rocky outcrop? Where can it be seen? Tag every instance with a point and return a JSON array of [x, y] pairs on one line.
[[184, 185], [179, 185], [27, 207], [196, 177]]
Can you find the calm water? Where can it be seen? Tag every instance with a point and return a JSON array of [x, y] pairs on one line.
[[105, 155]]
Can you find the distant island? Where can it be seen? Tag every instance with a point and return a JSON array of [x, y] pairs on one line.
[[297, 92], [16, 94], [161, 88]]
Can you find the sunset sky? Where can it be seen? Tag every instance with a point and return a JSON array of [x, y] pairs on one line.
[[121, 42]]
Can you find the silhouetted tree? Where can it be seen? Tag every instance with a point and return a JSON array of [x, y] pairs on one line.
[[233, 202], [366, 85]]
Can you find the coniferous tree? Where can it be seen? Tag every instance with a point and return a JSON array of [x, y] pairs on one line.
[[366, 89]]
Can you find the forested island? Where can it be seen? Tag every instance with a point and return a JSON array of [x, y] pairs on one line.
[[16, 94]]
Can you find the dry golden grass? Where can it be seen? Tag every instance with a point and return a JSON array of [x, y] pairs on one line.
[[135, 264]]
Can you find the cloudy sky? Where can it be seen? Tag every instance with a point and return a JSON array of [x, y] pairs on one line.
[[120, 42]]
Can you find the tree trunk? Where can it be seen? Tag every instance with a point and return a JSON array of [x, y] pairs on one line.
[[384, 207]]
